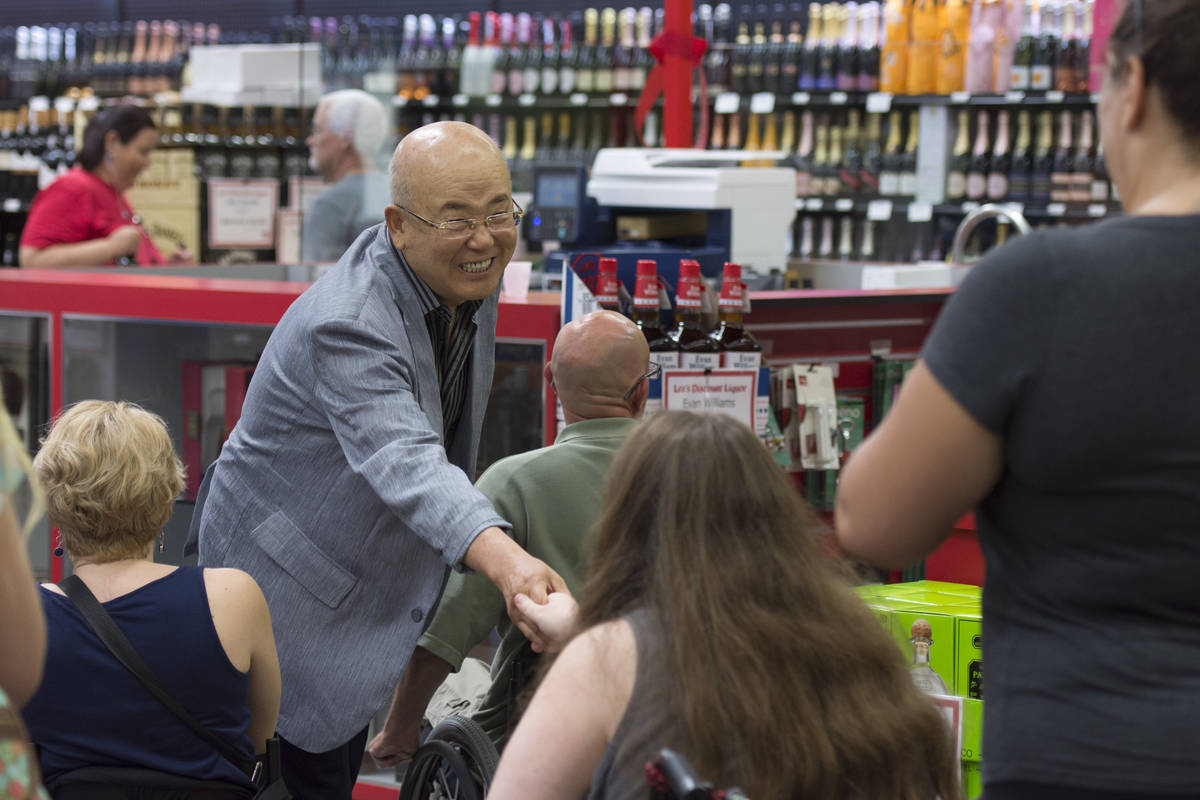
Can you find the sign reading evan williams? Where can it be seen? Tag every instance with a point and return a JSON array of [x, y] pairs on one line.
[[241, 213], [722, 391]]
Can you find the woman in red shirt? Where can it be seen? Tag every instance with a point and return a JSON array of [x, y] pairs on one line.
[[83, 218]]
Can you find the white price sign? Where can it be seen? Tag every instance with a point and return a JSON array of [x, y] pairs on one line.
[[431, 100], [241, 213], [719, 391], [837, 98], [800, 98], [1056, 209], [492, 100], [814, 204], [844, 204], [525, 100], [459, 100], [762, 103], [618, 99], [727, 103], [578, 99], [879, 210], [879, 103], [920, 212]]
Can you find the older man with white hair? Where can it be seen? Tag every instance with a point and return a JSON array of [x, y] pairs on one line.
[[348, 136]]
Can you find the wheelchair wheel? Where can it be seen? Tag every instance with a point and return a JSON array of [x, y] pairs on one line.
[[456, 762]]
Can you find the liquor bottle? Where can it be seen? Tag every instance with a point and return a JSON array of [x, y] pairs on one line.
[[823, 181], [1083, 54], [696, 349], [850, 166], [1001, 162], [1043, 161], [663, 349], [1019, 80], [756, 60], [498, 77], [770, 137], [1041, 74], [868, 46], [548, 84], [532, 82], [739, 62], [923, 50], [954, 22], [830, 33], [977, 167], [608, 295], [787, 136], [585, 69], [518, 54], [923, 676], [1019, 188], [893, 64], [847, 64], [889, 171], [622, 52], [773, 69], [908, 163], [643, 62], [805, 184], [578, 149], [717, 62], [753, 139], [845, 239], [603, 58], [429, 60], [956, 178], [833, 174], [1100, 189], [452, 61], [739, 350], [567, 59], [825, 248], [871, 160], [1061, 178], [805, 250], [810, 58], [717, 138], [866, 251], [1067, 54], [1081, 182], [1008, 33]]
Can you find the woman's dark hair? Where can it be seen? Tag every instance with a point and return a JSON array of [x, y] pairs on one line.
[[1165, 35], [127, 121]]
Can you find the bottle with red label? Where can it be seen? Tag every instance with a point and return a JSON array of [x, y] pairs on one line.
[[739, 350], [663, 349], [607, 291], [696, 349]]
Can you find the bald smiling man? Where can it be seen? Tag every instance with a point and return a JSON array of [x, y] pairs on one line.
[[345, 488], [553, 497]]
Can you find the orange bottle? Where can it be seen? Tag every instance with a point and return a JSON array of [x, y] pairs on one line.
[[893, 56], [923, 50], [954, 25]]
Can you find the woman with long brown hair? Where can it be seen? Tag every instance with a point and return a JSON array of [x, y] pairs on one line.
[[713, 623]]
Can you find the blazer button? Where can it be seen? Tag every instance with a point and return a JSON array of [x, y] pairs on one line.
[[417, 615]]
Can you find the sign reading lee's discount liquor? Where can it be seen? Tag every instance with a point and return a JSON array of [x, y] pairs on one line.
[[722, 391]]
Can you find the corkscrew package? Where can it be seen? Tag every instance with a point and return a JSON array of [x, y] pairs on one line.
[[816, 413]]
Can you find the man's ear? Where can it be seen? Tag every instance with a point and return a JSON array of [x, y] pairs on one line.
[[548, 374], [637, 403], [394, 218]]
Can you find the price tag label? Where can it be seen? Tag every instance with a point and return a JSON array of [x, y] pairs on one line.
[[879, 210], [39, 103], [89, 103], [1097, 210], [431, 100], [960, 97], [920, 212], [879, 103], [525, 100], [1054, 96], [814, 204], [12, 204], [1056, 209], [762, 103], [800, 98], [844, 204], [727, 103], [837, 98], [492, 100], [459, 100], [578, 99], [969, 206], [1014, 97], [618, 99]]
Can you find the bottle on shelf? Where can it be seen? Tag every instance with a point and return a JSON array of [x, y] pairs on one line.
[[663, 349], [1043, 161], [845, 238], [868, 41], [717, 62], [830, 32], [603, 64], [1100, 191], [889, 171], [824, 180], [643, 62], [908, 162], [1008, 34], [1041, 75], [1083, 165], [805, 181], [954, 24], [1020, 74], [805, 250], [550, 59], [567, 59], [622, 52], [585, 65], [921, 673], [977, 168], [739, 66], [608, 285], [697, 350], [1067, 56], [739, 350], [1001, 161], [1062, 176], [847, 52], [956, 177], [717, 135], [733, 139], [1084, 52], [787, 135], [1019, 189], [756, 60], [825, 249], [872, 156], [893, 66], [923, 48], [790, 57], [850, 166], [866, 251], [810, 59]]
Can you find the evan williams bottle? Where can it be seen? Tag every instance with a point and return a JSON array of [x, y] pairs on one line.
[[663, 349], [607, 292], [739, 350], [696, 350]]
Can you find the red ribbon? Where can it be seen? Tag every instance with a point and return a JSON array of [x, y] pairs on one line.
[[689, 48]]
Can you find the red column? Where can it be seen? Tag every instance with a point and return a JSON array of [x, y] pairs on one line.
[[677, 90]]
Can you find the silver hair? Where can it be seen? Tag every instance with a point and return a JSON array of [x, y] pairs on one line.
[[362, 119]]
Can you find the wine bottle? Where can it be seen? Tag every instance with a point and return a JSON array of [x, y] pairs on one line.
[[871, 159], [585, 69], [977, 167], [868, 46], [773, 66], [1068, 50], [1041, 76], [822, 182], [756, 60], [956, 178], [740, 59], [1081, 182], [1001, 162], [1019, 188], [804, 157], [849, 178], [908, 163], [567, 59], [643, 62], [1062, 177], [805, 250], [1083, 54], [830, 34], [810, 59], [1043, 161], [1022, 66], [889, 172], [549, 80], [622, 52], [717, 61], [603, 58]]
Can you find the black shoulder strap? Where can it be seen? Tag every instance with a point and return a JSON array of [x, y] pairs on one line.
[[121, 647]]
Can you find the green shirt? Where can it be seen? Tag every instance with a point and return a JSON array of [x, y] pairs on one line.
[[552, 496]]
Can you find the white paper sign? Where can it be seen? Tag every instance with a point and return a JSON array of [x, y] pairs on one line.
[[287, 238], [241, 213], [722, 391]]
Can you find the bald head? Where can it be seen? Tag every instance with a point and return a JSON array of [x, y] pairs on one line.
[[427, 152], [597, 358]]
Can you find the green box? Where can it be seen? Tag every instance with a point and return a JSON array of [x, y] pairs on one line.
[[972, 731], [968, 651], [941, 651], [851, 421], [963, 589], [972, 779]]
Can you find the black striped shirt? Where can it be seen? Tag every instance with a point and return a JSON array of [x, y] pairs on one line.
[[453, 339]]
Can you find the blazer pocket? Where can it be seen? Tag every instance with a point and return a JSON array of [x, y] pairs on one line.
[[300, 557]]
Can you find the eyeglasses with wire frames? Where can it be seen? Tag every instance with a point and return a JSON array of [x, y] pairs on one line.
[[653, 372], [464, 228]]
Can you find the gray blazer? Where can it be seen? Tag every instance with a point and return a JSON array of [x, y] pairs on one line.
[[337, 493]]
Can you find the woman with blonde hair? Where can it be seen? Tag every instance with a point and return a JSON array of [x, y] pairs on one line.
[[713, 623], [111, 476]]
